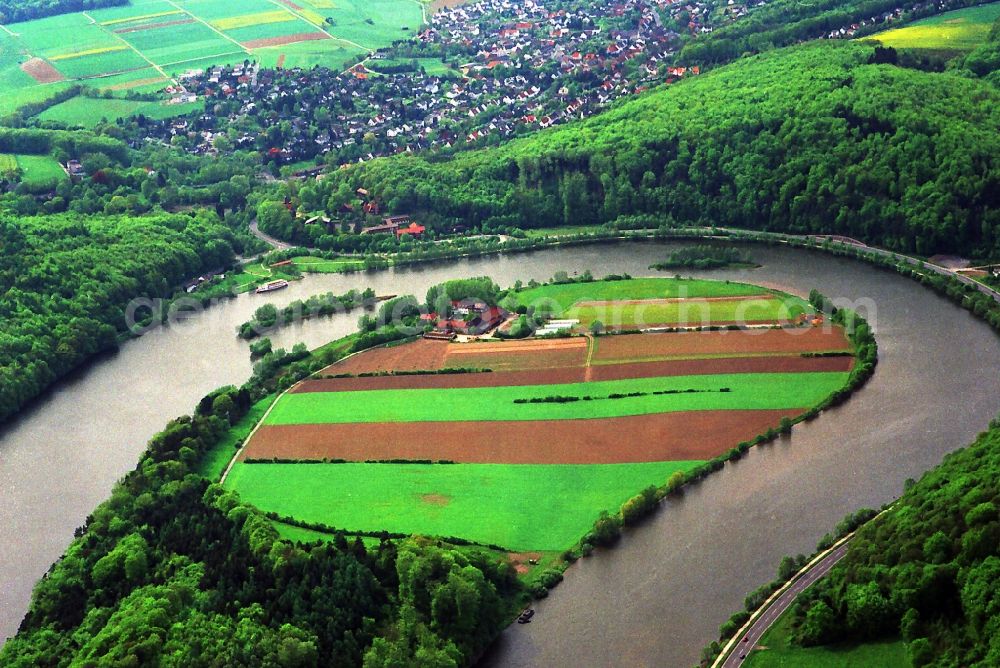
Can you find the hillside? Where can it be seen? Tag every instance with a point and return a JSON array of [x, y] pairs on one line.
[[807, 139], [927, 570]]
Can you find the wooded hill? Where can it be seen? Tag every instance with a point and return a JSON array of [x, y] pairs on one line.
[[810, 139], [65, 282], [927, 570]]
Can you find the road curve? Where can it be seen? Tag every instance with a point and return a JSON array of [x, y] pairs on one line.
[[267, 238], [780, 605]]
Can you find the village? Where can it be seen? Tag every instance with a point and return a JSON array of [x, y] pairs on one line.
[[501, 69]]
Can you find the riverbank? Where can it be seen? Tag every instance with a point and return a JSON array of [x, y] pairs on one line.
[[109, 424]]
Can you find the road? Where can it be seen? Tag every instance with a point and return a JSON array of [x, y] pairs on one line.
[[267, 238], [783, 602], [845, 242]]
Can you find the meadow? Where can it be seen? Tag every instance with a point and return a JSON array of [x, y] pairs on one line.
[[691, 312], [567, 294], [323, 266], [519, 507], [87, 112], [960, 30], [40, 168], [745, 392]]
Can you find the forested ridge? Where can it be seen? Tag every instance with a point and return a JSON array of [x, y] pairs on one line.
[[810, 139], [65, 282], [926, 570]]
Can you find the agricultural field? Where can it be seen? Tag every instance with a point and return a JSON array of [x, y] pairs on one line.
[[89, 111], [536, 437], [40, 169], [651, 302], [960, 30], [148, 43], [319, 265]]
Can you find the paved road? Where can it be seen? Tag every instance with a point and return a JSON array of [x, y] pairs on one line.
[[277, 244], [783, 602]]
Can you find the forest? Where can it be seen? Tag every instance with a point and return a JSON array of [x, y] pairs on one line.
[[810, 139], [172, 570], [65, 282], [926, 570], [14, 11]]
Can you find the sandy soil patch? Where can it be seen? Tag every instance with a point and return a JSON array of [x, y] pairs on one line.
[[436, 499], [641, 438], [285, 39], [41, 71]]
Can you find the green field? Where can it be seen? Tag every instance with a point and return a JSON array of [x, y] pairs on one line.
[[567, 294], [779, 653], [520, 507], [747, 391], [960, 30], [319, 265], [89, 111], [40, 168], [699, 313]]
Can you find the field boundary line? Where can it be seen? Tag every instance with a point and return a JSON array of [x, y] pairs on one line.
[[232, 462], [9, 32], [129, 45], [209, 26], [319, 28]]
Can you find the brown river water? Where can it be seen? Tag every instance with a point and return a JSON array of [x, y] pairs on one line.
[[660, 595]]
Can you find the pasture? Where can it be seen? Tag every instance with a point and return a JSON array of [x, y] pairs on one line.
[[959, 30], [519, 507], [89, 111], [35, 169]]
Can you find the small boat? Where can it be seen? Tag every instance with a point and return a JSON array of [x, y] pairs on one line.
[[272, 286]]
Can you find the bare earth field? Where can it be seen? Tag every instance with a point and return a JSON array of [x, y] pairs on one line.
[[285, 39], [421, 355], [694, 435], [41, 71], [612, 349], [556, 376]]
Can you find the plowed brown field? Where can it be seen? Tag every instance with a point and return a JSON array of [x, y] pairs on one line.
[[420, 355], [744, 342], [285, 39], [41, 71], [557, 376], [643, 438]]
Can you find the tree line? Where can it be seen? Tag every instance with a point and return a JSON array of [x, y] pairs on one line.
[[811, 139], [15, 11]]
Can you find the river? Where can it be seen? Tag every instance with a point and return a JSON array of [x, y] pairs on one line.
[[660, 595]]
